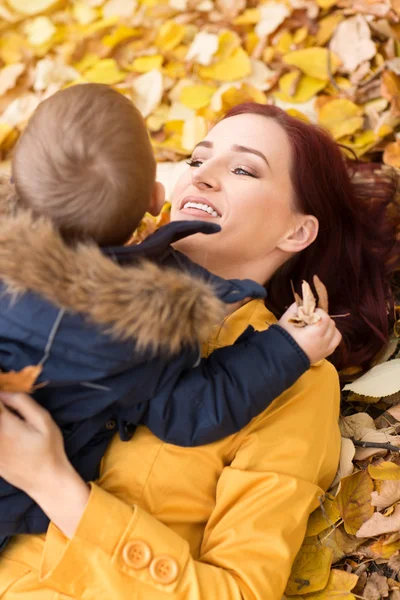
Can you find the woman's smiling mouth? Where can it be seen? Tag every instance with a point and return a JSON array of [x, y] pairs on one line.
[[194, 205]]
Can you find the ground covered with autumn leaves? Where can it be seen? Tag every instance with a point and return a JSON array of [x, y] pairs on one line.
[[184, 63]]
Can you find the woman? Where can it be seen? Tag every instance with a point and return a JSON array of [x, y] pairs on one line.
[[225, 520]]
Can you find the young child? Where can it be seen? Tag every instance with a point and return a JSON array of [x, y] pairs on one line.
[[117, 335]]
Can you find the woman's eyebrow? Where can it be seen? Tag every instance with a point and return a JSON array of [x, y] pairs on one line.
[[238, 148]]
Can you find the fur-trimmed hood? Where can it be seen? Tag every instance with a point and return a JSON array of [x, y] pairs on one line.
[[159, 307]]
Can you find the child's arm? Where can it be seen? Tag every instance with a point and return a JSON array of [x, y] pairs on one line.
[[225, 391]]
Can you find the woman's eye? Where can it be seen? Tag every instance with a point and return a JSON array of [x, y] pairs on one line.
[[242, 171], [194, 162]]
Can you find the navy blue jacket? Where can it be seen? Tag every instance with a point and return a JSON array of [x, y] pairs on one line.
[[96, 383]]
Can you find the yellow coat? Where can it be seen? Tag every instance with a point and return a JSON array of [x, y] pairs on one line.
[[222, 521]]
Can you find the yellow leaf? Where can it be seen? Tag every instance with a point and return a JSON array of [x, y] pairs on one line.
[[32, 7], [11, 47], [385, 548], [83, 13], [354, 500], [384, 130], [120, 34], [326, 3], [20, 381], [339, 587], [360, 144], [250, 16], [341, 117], [99, 25], [142, 64], [6, 131], [174, 69], [327, 26], [39, 31], [89, 60], [235, 67], [197, 96], [251, 42], [194, 130], [322, 519], [284, 43], [391, 155], [245, 93], [310, 571], [300, 35], [170, 35], [313, 62], [228, 41], [105, 71], [307, 87], [299, 115], [385, 470], [122, 9]]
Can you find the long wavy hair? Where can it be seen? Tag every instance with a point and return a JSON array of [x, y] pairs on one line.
[[356, 249]]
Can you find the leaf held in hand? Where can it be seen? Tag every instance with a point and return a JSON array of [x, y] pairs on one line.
[[20, 381]]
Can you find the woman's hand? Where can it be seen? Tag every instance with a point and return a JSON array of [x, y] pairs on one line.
[[32, 458]]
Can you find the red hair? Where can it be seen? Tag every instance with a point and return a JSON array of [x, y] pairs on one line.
[[356, 248]]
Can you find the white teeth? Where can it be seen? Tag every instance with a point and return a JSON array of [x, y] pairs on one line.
[[203, 207]]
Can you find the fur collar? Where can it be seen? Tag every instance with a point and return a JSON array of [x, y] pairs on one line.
[[160, 308]]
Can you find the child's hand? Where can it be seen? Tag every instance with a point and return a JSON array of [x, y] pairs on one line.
[[319, 340]]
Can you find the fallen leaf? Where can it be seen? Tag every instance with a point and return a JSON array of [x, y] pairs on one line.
[[9, 76], [119, 8], [31, 7], [272, 14], [339, 587], [385, 470], [341, 117], [388, 494], [382, 380], [20, 381], [148, 91], [354, 500], [352, 43], [354, 426], [194, 130], [39, 31], [391, 155], [321, 519], [234, 67], [313, 62], [310, 571], [379, 524], [105, 71], [203, 48], [376, 587], [385, 547]]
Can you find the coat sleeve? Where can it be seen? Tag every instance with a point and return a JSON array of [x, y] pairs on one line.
[[286, 458], [226, 390]]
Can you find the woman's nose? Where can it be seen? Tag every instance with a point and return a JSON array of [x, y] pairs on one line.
[[203, 179]]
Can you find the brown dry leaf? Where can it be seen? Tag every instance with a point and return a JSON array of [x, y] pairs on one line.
[[306, 308], [355, 426], [388, 494], [376, 587], [354, 500], [379, 524], [391, 155], [352, 43], [20, 381], [322, 293]]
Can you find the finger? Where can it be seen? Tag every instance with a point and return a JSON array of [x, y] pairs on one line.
[[26, 407], [10, 423]]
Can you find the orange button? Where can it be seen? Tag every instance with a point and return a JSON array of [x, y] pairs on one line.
[[164, 569], [137, 554]]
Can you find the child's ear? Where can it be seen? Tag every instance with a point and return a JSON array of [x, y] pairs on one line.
[[157, 199]]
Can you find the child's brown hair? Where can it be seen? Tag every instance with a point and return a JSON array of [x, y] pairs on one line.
[[85, 161]]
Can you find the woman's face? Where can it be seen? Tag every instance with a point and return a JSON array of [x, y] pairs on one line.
[[239, 178]]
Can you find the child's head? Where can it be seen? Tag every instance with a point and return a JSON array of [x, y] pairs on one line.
[[85, 161]]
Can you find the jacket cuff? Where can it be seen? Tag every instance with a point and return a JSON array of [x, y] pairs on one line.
[[109, 536], [299, 351]]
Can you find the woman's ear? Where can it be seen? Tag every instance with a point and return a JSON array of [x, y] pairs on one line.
[[301, 235], [157, 199]]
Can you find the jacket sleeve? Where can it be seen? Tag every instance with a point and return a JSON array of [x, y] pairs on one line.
[[286, 458], [226, 390]]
